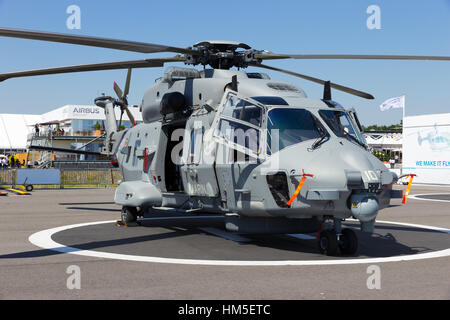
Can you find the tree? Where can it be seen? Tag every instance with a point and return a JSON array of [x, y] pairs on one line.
[[393, 127]]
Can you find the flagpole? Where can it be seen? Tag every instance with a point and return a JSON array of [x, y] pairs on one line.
[[404, 107], [403, 125]]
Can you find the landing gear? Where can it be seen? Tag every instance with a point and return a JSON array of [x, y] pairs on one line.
[[348, 242], [337, 239], [129, 214], [328, 243]]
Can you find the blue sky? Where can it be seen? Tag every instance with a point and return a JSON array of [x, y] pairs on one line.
[[407, 27]]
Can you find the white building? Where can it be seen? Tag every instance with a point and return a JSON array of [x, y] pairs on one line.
[[75, 120]]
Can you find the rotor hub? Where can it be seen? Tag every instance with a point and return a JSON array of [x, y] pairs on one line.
[[222, 55]]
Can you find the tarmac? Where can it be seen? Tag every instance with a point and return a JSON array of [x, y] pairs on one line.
[[44, 235]]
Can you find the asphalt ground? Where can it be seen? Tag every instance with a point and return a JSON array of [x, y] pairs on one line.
[[31, 272]]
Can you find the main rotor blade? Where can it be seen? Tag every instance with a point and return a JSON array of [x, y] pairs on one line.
[[319, 81], [273, 56], [147, 63], [92, 41]]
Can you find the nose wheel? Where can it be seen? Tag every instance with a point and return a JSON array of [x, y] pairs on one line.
[[348, 242], [128, 215], [330, 242]]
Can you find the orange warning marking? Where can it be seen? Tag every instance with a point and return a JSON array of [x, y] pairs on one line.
[[299, 187], [405, 195]]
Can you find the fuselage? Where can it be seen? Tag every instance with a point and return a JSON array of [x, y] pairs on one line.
[[185, 158]]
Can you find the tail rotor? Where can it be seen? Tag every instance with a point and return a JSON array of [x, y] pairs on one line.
[[122, 101]]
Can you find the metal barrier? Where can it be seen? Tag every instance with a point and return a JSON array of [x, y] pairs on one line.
[[90, 177], [7, 177], [70, 177]]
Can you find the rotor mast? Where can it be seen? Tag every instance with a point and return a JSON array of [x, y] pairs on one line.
[[222, 55]]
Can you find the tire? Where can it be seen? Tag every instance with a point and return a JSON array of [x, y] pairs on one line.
[[128, 215], [328, 243], [29, 187], [348, 242]]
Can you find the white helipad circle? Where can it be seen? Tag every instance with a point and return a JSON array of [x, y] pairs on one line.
[[44, 240], [416, 197]]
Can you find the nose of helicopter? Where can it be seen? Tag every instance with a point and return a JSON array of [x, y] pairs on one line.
[[340, 168], [336, 164]]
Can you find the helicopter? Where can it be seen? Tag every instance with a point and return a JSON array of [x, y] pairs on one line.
[[224, 141]]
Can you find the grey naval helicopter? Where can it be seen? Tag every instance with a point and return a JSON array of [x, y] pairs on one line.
[[224, 141]]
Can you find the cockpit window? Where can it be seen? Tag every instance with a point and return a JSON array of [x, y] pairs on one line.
[[242, 110], [291, 126], [271, 101], [342, 125]]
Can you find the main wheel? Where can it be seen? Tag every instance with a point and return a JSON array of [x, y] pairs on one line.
[[29, 187], [348, 242], [328, 243], [128, 215]]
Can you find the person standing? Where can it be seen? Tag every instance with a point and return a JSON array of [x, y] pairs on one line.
[[4, 163], [392, 162]]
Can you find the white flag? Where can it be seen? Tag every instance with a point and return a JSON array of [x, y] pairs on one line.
[[393, 103]]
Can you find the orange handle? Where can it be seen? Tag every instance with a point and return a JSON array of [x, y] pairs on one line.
[[297, 191], [408, 188], [299, 187]]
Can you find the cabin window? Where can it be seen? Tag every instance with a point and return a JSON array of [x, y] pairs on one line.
[[196, 145], [239, 127], [242, 110], [240, 134], [137, 145], [128, 153]]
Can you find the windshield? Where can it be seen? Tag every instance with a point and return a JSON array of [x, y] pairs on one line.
[[291, 126], [342, 125]]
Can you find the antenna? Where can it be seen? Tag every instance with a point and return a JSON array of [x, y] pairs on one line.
[[234, 83], [327, 91]]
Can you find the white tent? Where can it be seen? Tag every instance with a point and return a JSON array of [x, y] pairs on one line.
[[14, 129]]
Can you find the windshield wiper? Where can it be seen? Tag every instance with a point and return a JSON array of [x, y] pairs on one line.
[[346, 134], [323, 136]]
